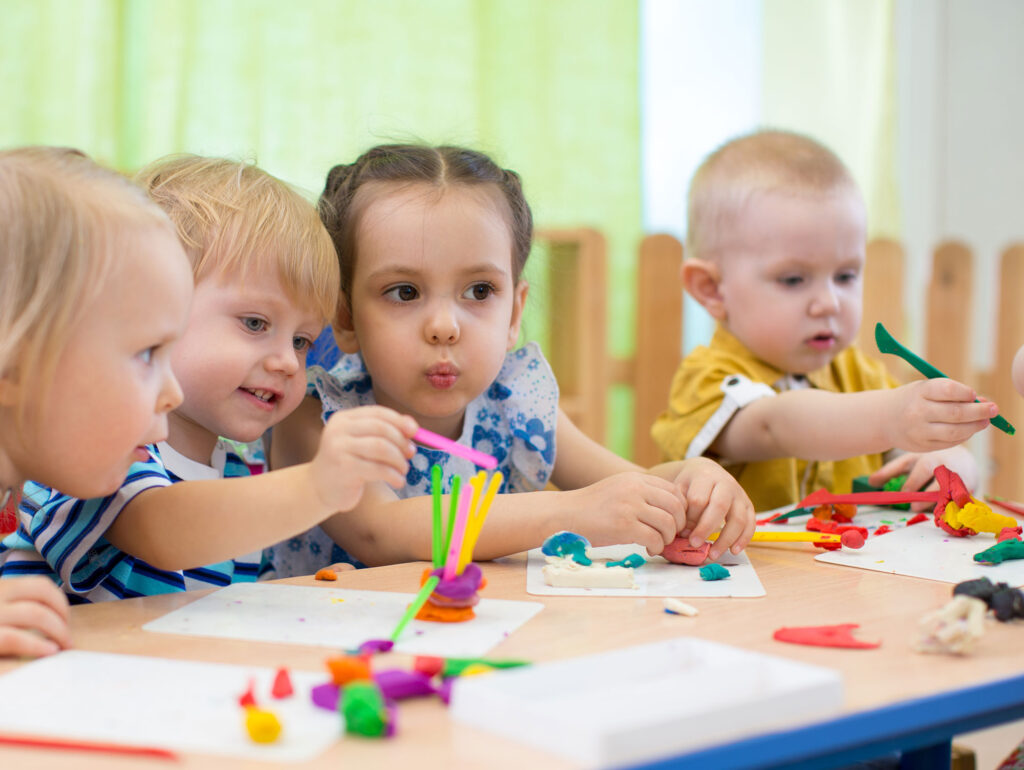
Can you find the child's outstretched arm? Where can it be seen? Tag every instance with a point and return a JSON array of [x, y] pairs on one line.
[[33, 617], [194, 523], [601, 496], [922, 416]]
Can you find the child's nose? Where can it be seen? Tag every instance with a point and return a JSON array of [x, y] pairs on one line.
[[826, 301], [284, 358], [171, 395], [442, 328]]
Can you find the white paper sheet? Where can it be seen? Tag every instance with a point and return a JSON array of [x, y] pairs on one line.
[[170, 704], [340, 618], [655, 578], [925, 551]]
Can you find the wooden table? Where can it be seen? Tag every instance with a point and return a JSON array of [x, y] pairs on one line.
[[894, 697]]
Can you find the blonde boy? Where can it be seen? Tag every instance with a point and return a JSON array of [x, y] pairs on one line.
[[94, 288], [266, 281], [775, 253]]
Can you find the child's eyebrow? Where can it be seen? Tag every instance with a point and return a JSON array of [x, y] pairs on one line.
[[390, 271]]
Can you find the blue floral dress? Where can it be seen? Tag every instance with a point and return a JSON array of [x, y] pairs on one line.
[[514, 420]]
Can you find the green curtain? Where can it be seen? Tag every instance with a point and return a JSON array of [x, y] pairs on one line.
[[549, 87]]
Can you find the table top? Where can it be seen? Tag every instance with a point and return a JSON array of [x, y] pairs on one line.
[[800, 592]]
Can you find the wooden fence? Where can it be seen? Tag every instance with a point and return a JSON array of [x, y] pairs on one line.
[[579, 354]]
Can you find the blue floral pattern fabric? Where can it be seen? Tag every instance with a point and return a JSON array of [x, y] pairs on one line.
[[514, 420]]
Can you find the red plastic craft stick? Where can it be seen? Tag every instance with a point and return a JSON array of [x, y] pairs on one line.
[[823, 496], [824, 636], [41, 742], [1007, 505]]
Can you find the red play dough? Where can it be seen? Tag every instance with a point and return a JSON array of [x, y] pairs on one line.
[[282, 684], [247, 698], [679, 551], [824, 636], [851, 538]]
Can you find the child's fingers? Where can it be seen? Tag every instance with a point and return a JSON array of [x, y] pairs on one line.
[[342, 566], [15, 641], [942, 389], [650, 528], [32, 616], [924, 505], [660, 522], [891, 469], [374, 420], [946, 435], [920, 474], [711, 505], [742, 512], [369, 470], [665, 497], [35, 589], [733, 536], [738, 519]]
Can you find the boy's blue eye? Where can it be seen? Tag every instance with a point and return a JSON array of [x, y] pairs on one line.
[[791, 280], [146, 356], [479, 291], [302, 344], [403, 293], [254, 324]]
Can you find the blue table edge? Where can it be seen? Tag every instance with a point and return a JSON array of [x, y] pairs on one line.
[[921, 728]]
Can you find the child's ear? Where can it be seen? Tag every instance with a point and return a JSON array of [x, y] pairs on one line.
[[701, 281], [518, 303], [344, 331]]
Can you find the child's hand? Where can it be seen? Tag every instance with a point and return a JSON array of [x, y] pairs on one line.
[[714, 500], [33, 617], [920, 469], [628, 507], [360, 446], [934, 414]]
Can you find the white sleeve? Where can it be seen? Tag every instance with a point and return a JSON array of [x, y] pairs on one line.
[[739, 391]]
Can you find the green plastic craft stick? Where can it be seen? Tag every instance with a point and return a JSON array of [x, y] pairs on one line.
[[791, 514], [888, 344], [418, 602], [435, 488]]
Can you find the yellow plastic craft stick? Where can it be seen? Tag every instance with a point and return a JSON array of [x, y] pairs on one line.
[[476, 521], [789, 537]]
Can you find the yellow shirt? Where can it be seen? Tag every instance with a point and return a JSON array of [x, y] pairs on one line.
[[696, 395]]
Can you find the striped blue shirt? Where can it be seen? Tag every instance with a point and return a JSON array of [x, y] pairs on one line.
[[63, 537]]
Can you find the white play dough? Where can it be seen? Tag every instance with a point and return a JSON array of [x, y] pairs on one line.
[[563, 572]]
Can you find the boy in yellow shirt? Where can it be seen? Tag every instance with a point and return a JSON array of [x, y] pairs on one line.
[[775, 253]]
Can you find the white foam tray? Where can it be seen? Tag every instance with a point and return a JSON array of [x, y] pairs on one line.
[[641, 703]]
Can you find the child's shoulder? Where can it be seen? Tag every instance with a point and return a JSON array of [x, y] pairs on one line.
[[725, 356]]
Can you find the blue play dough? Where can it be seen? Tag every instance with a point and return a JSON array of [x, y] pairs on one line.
[[634, 560], [713, 572], [568, 544]]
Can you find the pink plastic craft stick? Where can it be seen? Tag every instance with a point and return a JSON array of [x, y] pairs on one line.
[[821, 497], [455, 546], [424, 436]]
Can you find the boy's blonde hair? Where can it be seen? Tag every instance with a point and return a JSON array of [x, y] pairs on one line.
[[65, 221], [234, 217], [764, 161]]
